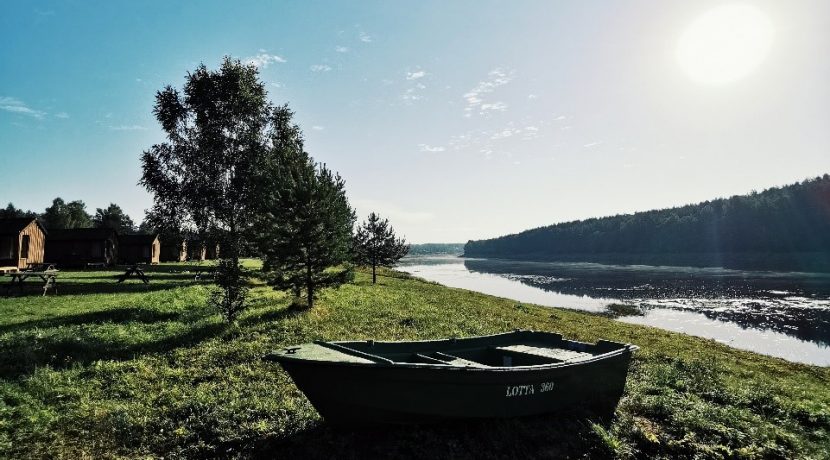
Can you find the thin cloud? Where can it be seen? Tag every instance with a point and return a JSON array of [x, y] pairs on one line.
[[429, 148], [63, 115], [475, 97], [415, 75], [592, 144], [317, 128], [410, 95], [495, 107], [320, 68], [263, 60], [14, 105], [341, 49], [364, 37]]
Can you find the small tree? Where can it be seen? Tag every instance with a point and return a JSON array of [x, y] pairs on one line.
[[304, 236], [376, 245], [11, 212], [217, 130], [113, 217]]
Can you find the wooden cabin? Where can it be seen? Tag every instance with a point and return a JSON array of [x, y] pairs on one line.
[[173, 250], [212, 251], [22, 241], [79, 247], [196, 250], [139, 249]]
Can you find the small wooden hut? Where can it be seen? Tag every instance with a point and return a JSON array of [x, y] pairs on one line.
[[22, 241], [139, 249], [80, 247], [212, 251], [173, 249], [196, 250]]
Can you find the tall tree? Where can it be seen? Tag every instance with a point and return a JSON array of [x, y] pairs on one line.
[[305, 237], [219, 129], [113, 217], [66, 215], [376, 245], [11, 212]]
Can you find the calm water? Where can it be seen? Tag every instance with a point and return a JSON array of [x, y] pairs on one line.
[[779, 314]]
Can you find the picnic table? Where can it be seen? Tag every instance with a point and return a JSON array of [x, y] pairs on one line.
[[134, 271], [47, 273]]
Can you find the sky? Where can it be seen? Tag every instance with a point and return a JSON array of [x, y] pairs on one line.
[[456, 120]]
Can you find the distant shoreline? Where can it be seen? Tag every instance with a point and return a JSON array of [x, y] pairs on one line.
[[818, 262]]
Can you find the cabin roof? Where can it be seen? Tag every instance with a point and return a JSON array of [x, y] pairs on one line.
[[65, 234], [14, 225], [137, 239]]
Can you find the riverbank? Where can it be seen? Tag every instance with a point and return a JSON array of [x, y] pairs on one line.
[[105, 370], [804, 261]]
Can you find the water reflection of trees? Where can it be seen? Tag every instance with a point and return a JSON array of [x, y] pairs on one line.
[[750, 300]]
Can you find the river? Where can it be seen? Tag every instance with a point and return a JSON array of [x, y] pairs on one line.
[[782, 314]]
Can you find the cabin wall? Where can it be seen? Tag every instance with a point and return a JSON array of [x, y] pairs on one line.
[[155, 256], [173, 252], [8, 256], [148, 253], [196, 251], [37, 244], [78, 253]]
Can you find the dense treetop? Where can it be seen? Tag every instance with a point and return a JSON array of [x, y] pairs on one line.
[[793, 218]]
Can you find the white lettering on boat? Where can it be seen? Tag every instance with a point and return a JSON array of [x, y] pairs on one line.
[[545, 386], [526, 390]]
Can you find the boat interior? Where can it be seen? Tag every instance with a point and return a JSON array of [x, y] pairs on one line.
[[520, 348]]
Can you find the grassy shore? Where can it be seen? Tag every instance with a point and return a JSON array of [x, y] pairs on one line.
[[106, 370]]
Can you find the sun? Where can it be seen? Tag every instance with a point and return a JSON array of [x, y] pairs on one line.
[[725, 44]]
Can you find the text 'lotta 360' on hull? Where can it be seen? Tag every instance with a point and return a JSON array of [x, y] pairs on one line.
[[506, 375]]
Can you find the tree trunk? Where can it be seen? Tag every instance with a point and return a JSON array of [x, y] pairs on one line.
[[374, 276], [309, 285]]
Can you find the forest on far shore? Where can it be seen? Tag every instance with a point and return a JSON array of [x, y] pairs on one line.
[[782, 228]]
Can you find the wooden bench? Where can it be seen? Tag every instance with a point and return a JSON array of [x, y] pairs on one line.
[[49, 278], [559, 354]]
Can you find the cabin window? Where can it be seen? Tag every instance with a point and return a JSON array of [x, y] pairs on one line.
[[97, 250], [145, 252], [24, 247]]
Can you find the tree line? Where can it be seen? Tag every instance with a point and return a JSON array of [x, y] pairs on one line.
[[234, 166], [790, 219], [61, 215]]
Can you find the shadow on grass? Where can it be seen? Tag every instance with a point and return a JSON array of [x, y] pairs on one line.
[[273, 315], [106, 285], [25, 352], [121, 315], [549, 436]]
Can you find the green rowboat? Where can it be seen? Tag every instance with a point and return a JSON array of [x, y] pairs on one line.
[[505, 375]]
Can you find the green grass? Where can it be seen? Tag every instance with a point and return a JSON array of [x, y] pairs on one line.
[[106, 370]]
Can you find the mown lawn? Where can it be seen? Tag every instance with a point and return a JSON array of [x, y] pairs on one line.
[[106, 370]]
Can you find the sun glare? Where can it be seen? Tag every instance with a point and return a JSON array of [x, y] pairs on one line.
[[725, 44]]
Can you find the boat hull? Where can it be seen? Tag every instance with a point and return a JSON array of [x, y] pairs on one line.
[[349, 393]]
